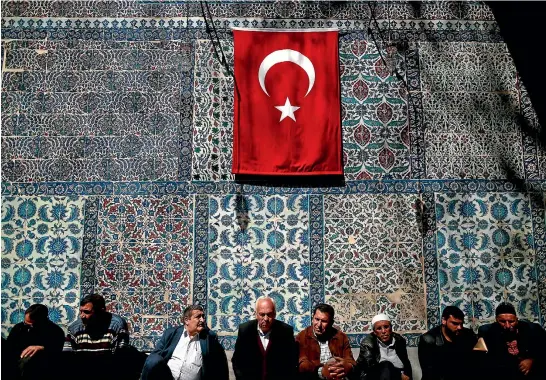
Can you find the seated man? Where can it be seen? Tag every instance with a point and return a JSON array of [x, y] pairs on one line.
[[383, 354], [265, 347], [99, 340], [33, 346], [190, 351], [445, 352], [325, 352], [515, 348]]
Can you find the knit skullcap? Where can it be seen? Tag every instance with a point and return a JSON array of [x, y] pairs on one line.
[[505, 308], [380, 317]]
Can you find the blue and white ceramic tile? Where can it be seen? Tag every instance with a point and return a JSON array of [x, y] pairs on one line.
[[376, 259], [486, 250], [258, 245], [41, 256], [465, 117], [123, 112]]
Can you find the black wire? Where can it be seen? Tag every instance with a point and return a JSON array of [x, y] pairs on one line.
[[222, 60], [372, 34], [420, 139]]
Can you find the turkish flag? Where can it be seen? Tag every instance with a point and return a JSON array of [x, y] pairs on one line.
[[287, 102]]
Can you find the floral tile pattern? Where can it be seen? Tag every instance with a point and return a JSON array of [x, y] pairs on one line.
[[116, 169], [376, 136], [95, 112], [470, 109], [213, 112], [144, 260], [258, 245], [41, 256], [486, 253], [373, 260]]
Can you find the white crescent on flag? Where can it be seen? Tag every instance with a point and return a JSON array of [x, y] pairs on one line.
[[286, 55]]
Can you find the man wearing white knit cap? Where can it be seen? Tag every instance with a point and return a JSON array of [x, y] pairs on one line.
[[383, 354]]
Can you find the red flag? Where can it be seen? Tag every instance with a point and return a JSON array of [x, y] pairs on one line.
[[287, 102]]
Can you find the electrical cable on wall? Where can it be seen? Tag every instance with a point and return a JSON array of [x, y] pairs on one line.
[[394, 70]]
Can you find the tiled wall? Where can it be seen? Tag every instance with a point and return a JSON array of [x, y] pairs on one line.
[[116, 155]]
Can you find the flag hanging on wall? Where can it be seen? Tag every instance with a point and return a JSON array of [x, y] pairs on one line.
[[287, 102]]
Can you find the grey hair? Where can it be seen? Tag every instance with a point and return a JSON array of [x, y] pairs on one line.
[[261, 298], [188, 311]]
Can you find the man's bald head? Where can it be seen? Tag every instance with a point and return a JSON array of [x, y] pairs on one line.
[[265, 313], [267, 300]]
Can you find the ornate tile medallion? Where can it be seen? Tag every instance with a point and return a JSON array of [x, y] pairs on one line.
[[41, 256]]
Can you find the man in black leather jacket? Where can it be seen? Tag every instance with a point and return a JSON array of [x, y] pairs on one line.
[[383, 354], [515, 348], [445, 352]]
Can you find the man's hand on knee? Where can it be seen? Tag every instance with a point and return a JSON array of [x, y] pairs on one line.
[[30, 351]]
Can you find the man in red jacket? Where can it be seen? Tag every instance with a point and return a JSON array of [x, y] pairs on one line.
[[324, 351]]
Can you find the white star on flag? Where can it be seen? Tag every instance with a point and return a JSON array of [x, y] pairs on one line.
[[287, 110]]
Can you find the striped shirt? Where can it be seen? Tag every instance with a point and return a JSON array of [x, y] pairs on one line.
[[116, 336]]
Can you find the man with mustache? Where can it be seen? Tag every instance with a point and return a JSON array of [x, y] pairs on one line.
[[265, 348], [99, 341], [187, 352], [383, 354], [97, 331], [515, 348], [324, 351], [445, 352]]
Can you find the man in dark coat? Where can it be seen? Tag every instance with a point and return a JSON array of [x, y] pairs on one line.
[[515, 348], [265, 348], [190, 351], [445, 352], [383, 354], [34, 346]]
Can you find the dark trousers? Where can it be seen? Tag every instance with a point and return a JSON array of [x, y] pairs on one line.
[[36, 367], [513, 373], [156, 368], [125, 364], [386, 371], [39, 366]]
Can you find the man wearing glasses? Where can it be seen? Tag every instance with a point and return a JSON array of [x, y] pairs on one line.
[[188, 352]]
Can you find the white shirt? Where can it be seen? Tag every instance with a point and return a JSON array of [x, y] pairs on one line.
[[186, 361], [264, 337], [325, 355], [388, 354]]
